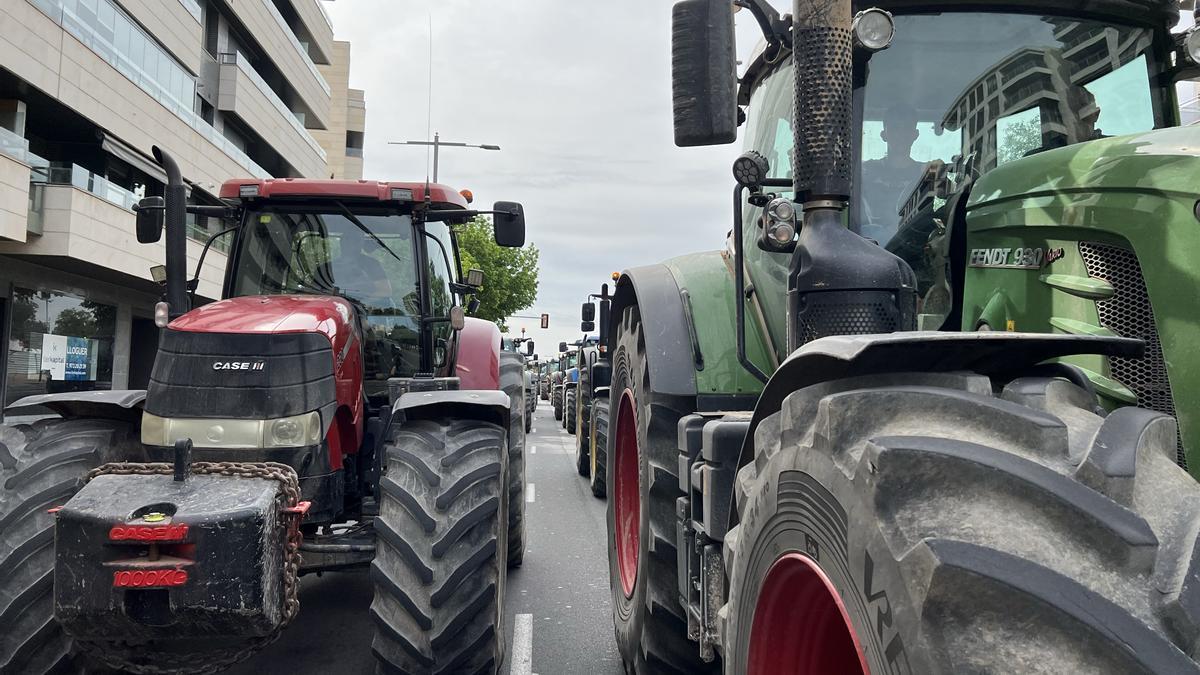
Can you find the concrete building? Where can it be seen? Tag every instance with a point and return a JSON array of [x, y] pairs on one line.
[[232, 88]]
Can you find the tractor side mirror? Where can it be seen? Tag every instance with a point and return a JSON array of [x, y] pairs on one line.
[[529, 348], [151, 213], [562, 347], [587, 326], [588, 313], [704, 73], [472, 306], [509, 224]]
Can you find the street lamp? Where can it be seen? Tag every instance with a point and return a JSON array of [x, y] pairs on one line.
[[437, 144]]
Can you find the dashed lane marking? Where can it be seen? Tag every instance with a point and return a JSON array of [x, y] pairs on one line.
[[533, 449], [529, 492], [522, 656]]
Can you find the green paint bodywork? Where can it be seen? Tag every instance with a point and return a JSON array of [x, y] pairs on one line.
[[1136, 192], [708, 279]]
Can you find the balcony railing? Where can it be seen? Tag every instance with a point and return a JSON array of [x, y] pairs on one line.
[[85, 180], [354, 152], [287, 30], [102, 26], [244, 65]]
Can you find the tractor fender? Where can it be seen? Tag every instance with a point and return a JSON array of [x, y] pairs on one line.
[[668, 338], [118, 404], [478, 355], [987, 353], [486, 404]]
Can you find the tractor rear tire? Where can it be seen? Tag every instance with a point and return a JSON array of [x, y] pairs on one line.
[[439, 568], [571, 411], [512, 382], [651, 630], [583, 415], [931, 523], [558, 411], [42, 466], [599, 454]]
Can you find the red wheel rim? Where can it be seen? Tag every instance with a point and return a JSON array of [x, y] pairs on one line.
[[627, 493], [800, 624]]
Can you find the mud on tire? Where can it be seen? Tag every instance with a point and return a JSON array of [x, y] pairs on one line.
[[439, 571], [512, 382], [42, 466], [651, 630], [972, 531]]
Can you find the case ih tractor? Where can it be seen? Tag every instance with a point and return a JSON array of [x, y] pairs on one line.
[[799, 480], [334, 410]]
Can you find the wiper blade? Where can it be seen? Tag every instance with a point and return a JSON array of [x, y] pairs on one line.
[[359, 224]]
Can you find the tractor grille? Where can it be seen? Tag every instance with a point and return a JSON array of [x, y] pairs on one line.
[[1129, 314], [852, 313]]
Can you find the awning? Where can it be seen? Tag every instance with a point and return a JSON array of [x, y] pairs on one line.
[[132, 156]]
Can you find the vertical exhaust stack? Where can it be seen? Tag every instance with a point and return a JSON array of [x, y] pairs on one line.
[[838, 282], [176, 227]]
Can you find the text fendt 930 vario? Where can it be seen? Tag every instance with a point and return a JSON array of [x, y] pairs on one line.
[[801, 482], [335, 410]]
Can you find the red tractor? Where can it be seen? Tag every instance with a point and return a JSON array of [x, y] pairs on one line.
[[336, 409]]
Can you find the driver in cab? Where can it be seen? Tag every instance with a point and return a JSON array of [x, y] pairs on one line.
[[887, 181]]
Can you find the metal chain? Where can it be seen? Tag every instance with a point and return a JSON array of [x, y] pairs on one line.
[[154, 658]]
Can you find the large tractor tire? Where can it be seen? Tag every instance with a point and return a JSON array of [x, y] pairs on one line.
[[599, 454], [929, 523], [42, 466], [558, 409], [642, 457], [512, 382], [439, 569], [583, 415], [571, 410]]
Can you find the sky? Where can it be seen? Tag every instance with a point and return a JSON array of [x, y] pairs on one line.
[[578, 96]]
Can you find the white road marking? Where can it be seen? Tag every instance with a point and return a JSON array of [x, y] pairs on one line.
[[529, 492], [533, 449], [522, 656]]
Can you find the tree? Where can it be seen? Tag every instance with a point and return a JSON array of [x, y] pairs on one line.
[[1020, 138], [510, 275], [75, 322]]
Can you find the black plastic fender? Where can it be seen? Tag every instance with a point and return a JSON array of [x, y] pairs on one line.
[[113, 404], [987, 353], [484, 404], [668, 338]]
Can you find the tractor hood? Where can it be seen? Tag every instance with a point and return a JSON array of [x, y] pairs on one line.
[[1164, 161], [330, 316]]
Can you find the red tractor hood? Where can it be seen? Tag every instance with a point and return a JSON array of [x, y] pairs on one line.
[[273, 314]]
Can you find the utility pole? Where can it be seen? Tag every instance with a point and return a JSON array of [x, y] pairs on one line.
[[437, 144]]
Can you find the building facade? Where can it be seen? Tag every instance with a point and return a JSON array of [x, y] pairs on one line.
[[231, 88]]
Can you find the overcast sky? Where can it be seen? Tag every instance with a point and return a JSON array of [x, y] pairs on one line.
[[578, 95]]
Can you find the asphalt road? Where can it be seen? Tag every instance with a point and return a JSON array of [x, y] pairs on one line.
[[557, 602]]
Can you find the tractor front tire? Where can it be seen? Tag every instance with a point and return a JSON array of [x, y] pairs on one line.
[[944, 523], [571, 411], [512, 382], [439, 568], [558, 411], [42, 466], [599, 454], [651, 630]]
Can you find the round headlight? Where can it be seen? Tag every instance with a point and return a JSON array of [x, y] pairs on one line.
[[874, 29], [782, 209], [1192, 43], [783, 233], [287, 431]]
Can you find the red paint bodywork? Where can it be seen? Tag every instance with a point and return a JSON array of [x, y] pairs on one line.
[[478, 362], [284, 188], [330, 316]]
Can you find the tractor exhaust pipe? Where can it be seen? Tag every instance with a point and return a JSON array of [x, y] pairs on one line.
[[838, 282], [176, 231]]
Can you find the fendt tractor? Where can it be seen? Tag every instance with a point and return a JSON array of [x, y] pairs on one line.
[[335, 410], [581, 351], [591, 440], [799, 480]]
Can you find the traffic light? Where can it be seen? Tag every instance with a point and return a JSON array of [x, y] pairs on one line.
[[545, 321]]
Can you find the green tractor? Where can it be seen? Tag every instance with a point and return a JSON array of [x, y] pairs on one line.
[[559, 378], [800, 480]]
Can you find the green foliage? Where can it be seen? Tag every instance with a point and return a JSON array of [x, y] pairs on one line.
[[510, 275], [1020, 138]]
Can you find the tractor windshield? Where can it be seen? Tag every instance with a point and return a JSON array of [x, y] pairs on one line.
[[320, 251], [958, 94]]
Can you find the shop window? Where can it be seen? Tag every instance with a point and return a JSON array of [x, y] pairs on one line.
[[58, 343]]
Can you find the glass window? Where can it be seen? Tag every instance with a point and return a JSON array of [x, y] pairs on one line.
[[59, 343], [322, 252], [442, 273]]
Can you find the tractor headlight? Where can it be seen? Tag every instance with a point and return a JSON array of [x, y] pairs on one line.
[[284, 432], [874, 29], [779, 226]]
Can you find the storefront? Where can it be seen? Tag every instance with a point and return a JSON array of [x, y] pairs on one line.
[[65, 332]]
